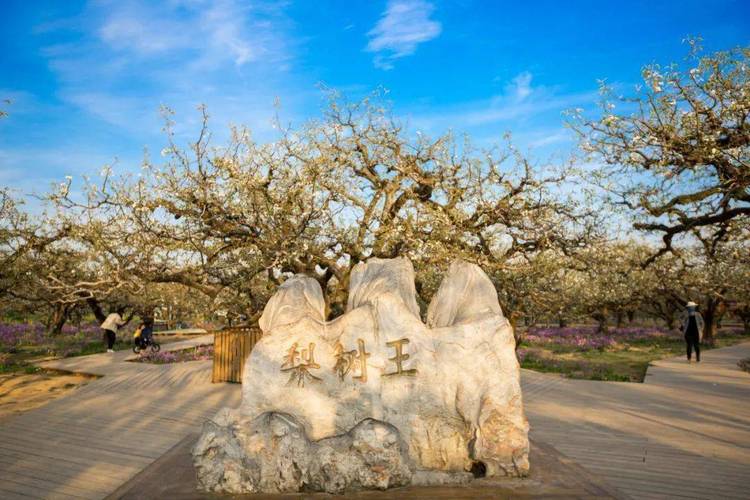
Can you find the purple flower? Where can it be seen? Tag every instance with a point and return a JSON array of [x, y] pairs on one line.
[[587, 337], [200, 353]]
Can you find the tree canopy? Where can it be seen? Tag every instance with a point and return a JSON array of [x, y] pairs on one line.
[[220, 226]]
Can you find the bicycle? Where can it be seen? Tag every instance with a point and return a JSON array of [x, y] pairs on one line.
[[143, 344]]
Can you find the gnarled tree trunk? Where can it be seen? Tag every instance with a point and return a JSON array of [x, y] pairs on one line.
[[60, 316], [601, 318], [96, 308]]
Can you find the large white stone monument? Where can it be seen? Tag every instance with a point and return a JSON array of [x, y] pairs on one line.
[[374, 398]]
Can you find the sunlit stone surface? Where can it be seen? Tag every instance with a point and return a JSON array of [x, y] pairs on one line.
[[448, 392]]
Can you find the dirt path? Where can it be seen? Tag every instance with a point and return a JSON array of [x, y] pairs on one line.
[[20, 392]]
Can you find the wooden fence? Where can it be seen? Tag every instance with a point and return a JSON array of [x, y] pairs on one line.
[[231, 349]]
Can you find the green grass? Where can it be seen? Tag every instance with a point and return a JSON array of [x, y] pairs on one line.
[[17, 367], [624, 363], [20, 359], [96, 347]]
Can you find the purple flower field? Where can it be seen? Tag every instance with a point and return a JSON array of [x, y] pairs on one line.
[[587, 337], [200, 353], [14, 335], [30, 339]]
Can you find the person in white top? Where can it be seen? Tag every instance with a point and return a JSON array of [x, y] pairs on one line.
[[110, 326]]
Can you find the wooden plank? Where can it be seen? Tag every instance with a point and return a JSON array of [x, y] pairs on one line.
[[220, 359], [97, 473], [80, 487], [230, 355], [235, 356], [225, 357], [231, 349], [30, 491]]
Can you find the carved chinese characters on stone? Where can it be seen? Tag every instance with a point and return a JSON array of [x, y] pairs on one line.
[[399, 358], [300, 364], [347, 360]]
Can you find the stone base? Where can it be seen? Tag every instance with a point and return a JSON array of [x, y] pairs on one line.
[[553, 476]]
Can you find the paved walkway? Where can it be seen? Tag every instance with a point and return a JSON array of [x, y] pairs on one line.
[[683, 433]]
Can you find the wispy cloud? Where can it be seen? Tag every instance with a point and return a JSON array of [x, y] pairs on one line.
[[547, 138], [525, 109], [403, 26], [209, 30], [520, 86], [133, 56]]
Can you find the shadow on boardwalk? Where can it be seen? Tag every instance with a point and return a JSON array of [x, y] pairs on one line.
[[88, 443], [684, 432]]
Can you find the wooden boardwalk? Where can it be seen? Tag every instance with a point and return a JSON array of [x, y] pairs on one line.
[[685, 433], [86, 444]]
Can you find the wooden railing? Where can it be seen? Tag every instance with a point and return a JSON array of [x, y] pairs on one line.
[[231, 349]]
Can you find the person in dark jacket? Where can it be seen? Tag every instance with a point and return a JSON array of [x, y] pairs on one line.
[[692, 327], [146, 330]]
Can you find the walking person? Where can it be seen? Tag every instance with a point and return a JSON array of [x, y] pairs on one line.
[[110, 326], [692, 327]]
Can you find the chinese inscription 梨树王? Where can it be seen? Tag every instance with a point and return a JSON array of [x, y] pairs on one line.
[[346, 360], [399, 358], [300, 364]]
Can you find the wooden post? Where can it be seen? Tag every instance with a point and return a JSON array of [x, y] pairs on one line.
[[231, 349]]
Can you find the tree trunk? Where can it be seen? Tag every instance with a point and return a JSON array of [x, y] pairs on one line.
[[601, 318], [60, 315], [721, 309], [669, 320], [96, 309], [562, 322], [618, 319], [709, 322], [513, 320], [631, 316]]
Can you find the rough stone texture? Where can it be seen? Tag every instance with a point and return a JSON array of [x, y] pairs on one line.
[[272, 454], [451, 389], [372, 455], [220, 461]]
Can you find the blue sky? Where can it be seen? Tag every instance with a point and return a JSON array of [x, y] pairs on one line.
[[86, 79]]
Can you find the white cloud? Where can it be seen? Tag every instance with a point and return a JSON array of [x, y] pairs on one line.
[[523, 108], [403, 26], [128, 29], [521, 86], [548, 139], [131, 57], [212, 30], [122, 111]]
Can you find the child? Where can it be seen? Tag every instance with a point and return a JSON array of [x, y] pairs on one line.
[[142, 335]]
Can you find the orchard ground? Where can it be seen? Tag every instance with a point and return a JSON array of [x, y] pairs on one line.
[[622, 354]]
